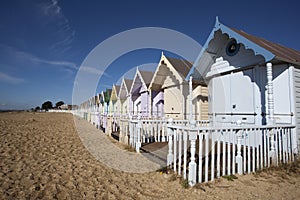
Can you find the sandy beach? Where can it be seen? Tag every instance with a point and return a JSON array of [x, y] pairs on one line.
[[43, 157]]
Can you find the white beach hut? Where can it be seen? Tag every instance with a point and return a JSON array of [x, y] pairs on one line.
[[125, 97], [170, 91], [140, 94], [251, 81]]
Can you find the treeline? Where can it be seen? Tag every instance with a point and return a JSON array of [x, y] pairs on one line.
[[48, 105]]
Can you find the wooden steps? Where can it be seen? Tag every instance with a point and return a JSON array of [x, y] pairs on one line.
[[156, 152]]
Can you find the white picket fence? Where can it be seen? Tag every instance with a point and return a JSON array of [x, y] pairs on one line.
[[201, 154], [139, 131]]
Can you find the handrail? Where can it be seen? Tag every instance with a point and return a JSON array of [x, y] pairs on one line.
[[209, 128]]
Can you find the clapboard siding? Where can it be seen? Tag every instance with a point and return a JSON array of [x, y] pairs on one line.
[[297, 99], [204, 104]]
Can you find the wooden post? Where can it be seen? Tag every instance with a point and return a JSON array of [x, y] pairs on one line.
[[128, 104], [138, 142], [175, 149], [108, 130], [239, 158], [273, 155], [206, 138], [121, 136], [270, 94], [192, 164], [184, 153], [170, 143], [149, 103], [134, 125], [130, 131], [191, 97], [163, 130], [179, 151], [271, 111]]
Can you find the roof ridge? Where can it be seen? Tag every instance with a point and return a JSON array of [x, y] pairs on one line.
[[280, 51]]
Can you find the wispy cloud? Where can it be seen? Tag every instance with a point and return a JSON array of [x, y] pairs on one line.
[[26, 57], [95, 71], [10, 79], [53, 13], [51, 8], [55, 63]]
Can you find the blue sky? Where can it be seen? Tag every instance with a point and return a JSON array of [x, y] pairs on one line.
[[44, 42]]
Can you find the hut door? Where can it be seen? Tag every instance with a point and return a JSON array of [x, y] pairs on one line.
[[232, 98], [282, 95], [242, 97]]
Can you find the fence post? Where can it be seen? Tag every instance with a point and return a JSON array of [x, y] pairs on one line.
[[138, 142], [192, 164], [121, 137], [272, 151], [126, 133], [170, 143], [108, 126], [104, 122], [134, 125], [163, 129], [239, 158], [184, 153], [97, 119], [130, 131]]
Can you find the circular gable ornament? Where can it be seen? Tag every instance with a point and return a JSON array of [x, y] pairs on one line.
[[232, 48]]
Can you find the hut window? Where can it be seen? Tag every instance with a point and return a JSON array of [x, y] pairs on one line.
[[232, 48]]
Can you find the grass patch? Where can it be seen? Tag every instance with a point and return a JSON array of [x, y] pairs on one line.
[[129, 148], [173, 178], [286, 168], [165, 170], [200, 186], [230, 177], [184, 183]]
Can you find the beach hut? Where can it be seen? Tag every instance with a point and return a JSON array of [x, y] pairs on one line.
[[251, 81], [114, 100], [140, 94], [170, 91], [107, 95], [98, 110], [125, 97], [94, 110], [102, 103]]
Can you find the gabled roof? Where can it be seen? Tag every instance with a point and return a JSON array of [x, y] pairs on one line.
[[95, 99], [182, 66], [124, 88], [128, 84], [117, 87], [147, 76], [115, 92], [281, 52], [101, 97], [141, 78], [107, 95], [270, 51]]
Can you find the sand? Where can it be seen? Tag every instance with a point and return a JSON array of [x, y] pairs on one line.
[[43, 157], [102, 149]]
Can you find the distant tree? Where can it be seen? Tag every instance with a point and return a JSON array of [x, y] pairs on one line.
[[37, 108], [47, 105], [60, 103]]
